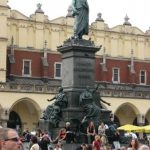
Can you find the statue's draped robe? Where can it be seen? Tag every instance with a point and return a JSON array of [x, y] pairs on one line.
[[81, 12], [52, 112], [87, 102]]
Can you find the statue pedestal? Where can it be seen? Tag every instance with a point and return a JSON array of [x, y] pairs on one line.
[[78, 64], [44, 125], [73, 115], [78, 68], [105, 114], [78, 72]]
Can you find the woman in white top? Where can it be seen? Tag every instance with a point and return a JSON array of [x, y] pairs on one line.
[[101, 129], [35, 145], [101, 132]]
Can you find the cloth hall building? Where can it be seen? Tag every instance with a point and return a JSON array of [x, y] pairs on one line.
[[30, 66]]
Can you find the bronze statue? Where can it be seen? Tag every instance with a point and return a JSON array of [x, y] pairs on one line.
[[89, 103], [61, 98], [53, 112], [81, 13]]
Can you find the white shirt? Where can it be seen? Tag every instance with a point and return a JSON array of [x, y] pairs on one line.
[[35, 147]]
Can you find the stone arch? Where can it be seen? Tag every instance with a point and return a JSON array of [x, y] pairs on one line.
[[147, 115], [116, 121], [28, 112], [1, 108], [14, 120], [1, 114], [126, 113]]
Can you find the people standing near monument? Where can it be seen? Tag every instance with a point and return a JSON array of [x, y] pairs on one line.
[[70, 136], [81, 13], [35, 145], [116, 140], [101, 132], [134, 144], [27, 135], [44, 142], [91, 132], [9, 139], [101, 129], [61, 136], [97, 142], [39, 134]]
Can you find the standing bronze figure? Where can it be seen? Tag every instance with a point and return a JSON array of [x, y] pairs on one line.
[[81, 13]]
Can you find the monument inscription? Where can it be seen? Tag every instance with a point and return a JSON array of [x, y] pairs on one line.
[[83, 70]]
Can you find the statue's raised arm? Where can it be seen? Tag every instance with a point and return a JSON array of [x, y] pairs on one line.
[[104, 102], [94, 91], [81, 13], [51, 99]]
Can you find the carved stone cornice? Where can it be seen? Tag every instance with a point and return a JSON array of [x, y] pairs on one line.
[[106, 89], [124, 90]]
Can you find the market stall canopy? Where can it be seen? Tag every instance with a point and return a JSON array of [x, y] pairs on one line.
[[146, 129], [129, 128]]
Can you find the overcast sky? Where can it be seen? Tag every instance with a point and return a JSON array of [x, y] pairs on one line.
[[113, 11]]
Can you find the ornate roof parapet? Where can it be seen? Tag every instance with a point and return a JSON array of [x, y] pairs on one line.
[[39, 10], [99, 17], [39, 15], [99, 23], [126, 19], [69, 14], [148, 31]]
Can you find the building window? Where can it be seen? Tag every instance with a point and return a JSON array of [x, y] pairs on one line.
[[26, 71], [57, 70], [116, 75], [143, 77]]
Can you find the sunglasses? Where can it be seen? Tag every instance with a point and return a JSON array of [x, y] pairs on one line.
[[16, 139]]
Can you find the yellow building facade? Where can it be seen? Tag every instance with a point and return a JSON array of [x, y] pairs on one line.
[[30, 34]]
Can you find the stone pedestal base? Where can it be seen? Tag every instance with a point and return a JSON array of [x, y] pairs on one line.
[[45, 125], [73, 114], [105, 114]]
